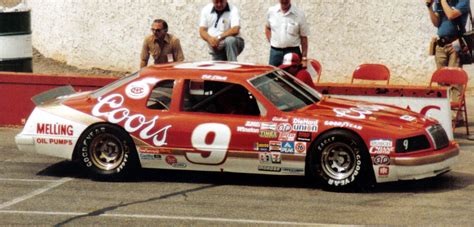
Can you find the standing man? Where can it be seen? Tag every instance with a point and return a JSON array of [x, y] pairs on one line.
[[448, 16], [286, 30], [219, 26], [162, 46], [292, 64]]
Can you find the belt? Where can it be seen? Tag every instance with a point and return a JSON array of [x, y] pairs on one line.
[[445, 40], [286, 48]]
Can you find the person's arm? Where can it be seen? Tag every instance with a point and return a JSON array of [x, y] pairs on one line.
[[304, 51], [145, 55], [213, 41], [178, 52], [434, 17], [451, 13], [268, 33], [231, 32], [304, 33]]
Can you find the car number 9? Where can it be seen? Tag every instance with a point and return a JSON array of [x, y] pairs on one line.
[[217, 148], [405, 144]]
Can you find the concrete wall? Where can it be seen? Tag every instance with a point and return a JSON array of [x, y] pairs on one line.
[[344, 33]]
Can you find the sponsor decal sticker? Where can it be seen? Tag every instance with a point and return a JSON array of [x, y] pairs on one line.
[[54, 129], [110, 108], [276, 157], [254, 124], [284, 127], [305, 125], [275, 146], [381, 159], [262, 147], [173, 161], [342, 124], [287, 136], [214, 77], [359, 112], [303, 136], [280, 119], [268, 126], [247, 130], [381, 146], [300, 147], [170, 159], [154, 150], [264, 157], [408, 118], [53, 141], [268, 134], [269, 168], [137, 90], [384, 171], [145, 156], [288, 147], [292, 170]]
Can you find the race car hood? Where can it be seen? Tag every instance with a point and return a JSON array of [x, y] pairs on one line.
[[366, 114]]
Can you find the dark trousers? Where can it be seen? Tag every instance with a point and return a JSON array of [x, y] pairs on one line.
[[277, 54]]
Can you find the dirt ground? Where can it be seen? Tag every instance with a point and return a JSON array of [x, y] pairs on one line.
[[44, 65]]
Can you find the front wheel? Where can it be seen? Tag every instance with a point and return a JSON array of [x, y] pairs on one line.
[[340, 161], [107, 152]]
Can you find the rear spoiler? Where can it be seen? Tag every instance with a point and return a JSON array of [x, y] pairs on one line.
[[52, 94]]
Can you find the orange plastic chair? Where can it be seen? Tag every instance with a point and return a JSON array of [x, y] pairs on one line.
[[459, 77], [371, 72], [317, 67]]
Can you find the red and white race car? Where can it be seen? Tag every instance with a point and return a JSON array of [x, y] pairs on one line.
[[219, 116]]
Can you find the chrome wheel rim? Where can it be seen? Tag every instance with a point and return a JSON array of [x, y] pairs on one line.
[[338, 161], [106, 152]]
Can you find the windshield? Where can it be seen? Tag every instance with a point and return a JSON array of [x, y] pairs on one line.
[[284, 91], [101, 91]]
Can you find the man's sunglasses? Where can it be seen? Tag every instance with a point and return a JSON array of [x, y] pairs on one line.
[[157, 30]]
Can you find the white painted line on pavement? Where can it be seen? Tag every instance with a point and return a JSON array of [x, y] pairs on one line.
[[35, 192], [184, 218], [26, 180]]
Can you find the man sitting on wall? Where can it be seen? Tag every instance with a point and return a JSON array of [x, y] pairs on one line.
[[162, 46], [219, 26], [292, 64]]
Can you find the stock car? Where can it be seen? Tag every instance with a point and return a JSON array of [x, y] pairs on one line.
[[245, 118]]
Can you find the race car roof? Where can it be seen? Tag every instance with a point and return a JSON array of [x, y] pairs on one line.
[[233, 71]]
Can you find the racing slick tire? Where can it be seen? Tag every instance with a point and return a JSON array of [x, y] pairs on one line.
[[107, 152], [339, 161]]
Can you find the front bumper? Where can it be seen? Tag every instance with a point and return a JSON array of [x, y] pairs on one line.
[[425, 165]]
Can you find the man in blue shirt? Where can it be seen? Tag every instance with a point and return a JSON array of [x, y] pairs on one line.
[[450, 17]]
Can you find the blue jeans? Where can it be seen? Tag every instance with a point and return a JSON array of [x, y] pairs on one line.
[[277, 54], [233, 46]]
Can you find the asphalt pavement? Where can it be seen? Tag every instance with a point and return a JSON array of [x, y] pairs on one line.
[[41, 190]]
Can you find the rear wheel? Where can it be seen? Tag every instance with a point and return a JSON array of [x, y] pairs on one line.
[[340, 161], [107, 152]]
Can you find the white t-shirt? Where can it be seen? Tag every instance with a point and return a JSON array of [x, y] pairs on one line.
[[287, 28], [228, 19]]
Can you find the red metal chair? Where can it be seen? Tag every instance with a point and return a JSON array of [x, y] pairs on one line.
[[376, 72], [317, 68], [457, 78]]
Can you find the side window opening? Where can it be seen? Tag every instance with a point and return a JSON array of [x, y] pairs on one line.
[[160, 96], [218, 98]]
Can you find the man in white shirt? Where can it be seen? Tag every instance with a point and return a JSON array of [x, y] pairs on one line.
[[286, 30], [219, 26]]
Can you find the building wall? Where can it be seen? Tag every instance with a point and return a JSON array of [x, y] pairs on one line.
[[344, 33]]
